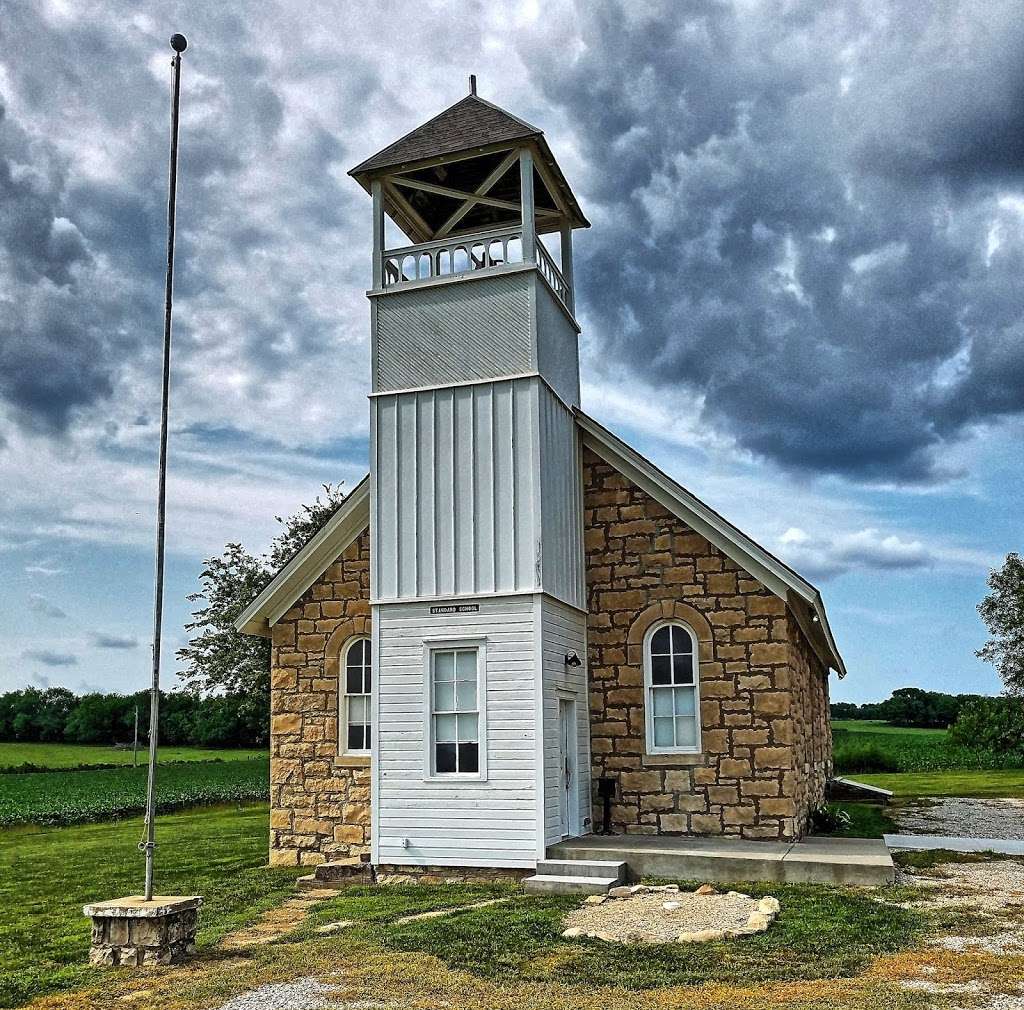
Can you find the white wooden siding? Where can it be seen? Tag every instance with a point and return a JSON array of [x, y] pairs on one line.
[[564, 629], [561, 502], [477, 491], [451, 822], [557, 342], [479, 328]]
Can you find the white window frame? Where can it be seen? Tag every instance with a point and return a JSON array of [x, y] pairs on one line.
[[649, 686], [430, 646], [343, 697]]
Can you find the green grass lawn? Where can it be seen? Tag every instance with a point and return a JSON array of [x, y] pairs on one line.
[[74, 755], [47, 874], [74, 797], [823, 932], [996, 783]]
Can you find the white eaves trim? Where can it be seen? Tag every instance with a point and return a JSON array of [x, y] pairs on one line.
[[764, 566], [308, 564]]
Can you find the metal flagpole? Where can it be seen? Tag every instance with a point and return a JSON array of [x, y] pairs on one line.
[[178, 44]]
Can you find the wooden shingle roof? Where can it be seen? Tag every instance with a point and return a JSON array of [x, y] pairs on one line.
[[469, 123]]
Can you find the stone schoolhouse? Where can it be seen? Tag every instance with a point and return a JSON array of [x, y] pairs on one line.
[[515, 614]]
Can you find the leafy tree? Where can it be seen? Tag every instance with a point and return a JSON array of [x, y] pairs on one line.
[[220, 660], [1003, 613], [992, 723]]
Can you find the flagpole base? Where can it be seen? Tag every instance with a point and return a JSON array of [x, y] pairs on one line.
[[135, 932]]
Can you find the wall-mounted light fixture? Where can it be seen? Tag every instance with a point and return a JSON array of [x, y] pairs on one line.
[[572, 660]]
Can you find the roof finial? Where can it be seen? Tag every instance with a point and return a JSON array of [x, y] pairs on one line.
[[472, 84]]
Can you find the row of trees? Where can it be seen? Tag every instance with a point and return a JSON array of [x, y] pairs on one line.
[[908, 706], [186, 719]]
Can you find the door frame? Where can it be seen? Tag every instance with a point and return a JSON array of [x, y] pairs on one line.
[[568, 750]]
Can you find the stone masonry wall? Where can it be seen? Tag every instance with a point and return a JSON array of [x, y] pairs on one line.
[[813, 728], [645, 565], [319, 802]]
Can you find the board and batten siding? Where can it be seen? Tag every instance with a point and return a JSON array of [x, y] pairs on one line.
[[428, 821], [476, 491], [563, 629], [561, 501]]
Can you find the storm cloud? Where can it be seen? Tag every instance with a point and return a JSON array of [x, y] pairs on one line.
[[103, 640], [50, 657], [808, 217]]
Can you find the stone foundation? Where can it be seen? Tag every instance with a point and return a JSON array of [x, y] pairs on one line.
[[133, 931], [390, 873]]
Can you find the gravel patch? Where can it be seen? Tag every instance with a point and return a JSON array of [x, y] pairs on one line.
[[1007, 942], [1000, 1003], [987, 887], [661, 916], [305, 994], [962, 817]]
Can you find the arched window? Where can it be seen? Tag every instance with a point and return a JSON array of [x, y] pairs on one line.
[[354, 715], [672, 693]]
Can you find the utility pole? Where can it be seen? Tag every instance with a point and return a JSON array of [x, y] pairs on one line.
[[178, 44]]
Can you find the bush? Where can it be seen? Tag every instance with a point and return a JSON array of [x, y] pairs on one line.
[[993, 723], [829, 818]]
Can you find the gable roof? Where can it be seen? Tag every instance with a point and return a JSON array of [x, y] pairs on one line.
[[308, 563], [803, 598], [470, 122]]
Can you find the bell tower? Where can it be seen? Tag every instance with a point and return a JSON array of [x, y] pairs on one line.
[[474, 356], [476, 524]]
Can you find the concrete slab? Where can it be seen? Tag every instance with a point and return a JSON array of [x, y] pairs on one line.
[[861, 861], [1005, 846], [814, 860]]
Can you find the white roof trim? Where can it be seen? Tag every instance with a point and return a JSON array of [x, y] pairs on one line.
[[735, 544], [308, 564]]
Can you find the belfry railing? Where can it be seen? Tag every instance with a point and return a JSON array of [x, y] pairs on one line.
[[486, 252]]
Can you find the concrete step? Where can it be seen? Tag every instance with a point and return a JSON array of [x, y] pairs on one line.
[[582, 868], [555, 883], [314, 883], [352, 871]]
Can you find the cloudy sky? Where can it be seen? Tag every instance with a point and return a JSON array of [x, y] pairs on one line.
[[801, 294]]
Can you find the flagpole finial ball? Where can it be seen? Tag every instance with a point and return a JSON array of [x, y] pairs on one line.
[[178, 42]]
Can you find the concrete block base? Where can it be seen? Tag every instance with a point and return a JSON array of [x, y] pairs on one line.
[[133, 931]]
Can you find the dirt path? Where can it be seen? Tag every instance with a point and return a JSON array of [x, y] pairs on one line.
[[272, 924]]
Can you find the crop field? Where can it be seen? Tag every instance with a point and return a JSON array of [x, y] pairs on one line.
[[868, 747], [76, 797], [875, 726], [18, 757]]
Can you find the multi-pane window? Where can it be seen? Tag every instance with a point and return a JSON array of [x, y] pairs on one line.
[[455, 711], [670, 673], [356, 699]]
